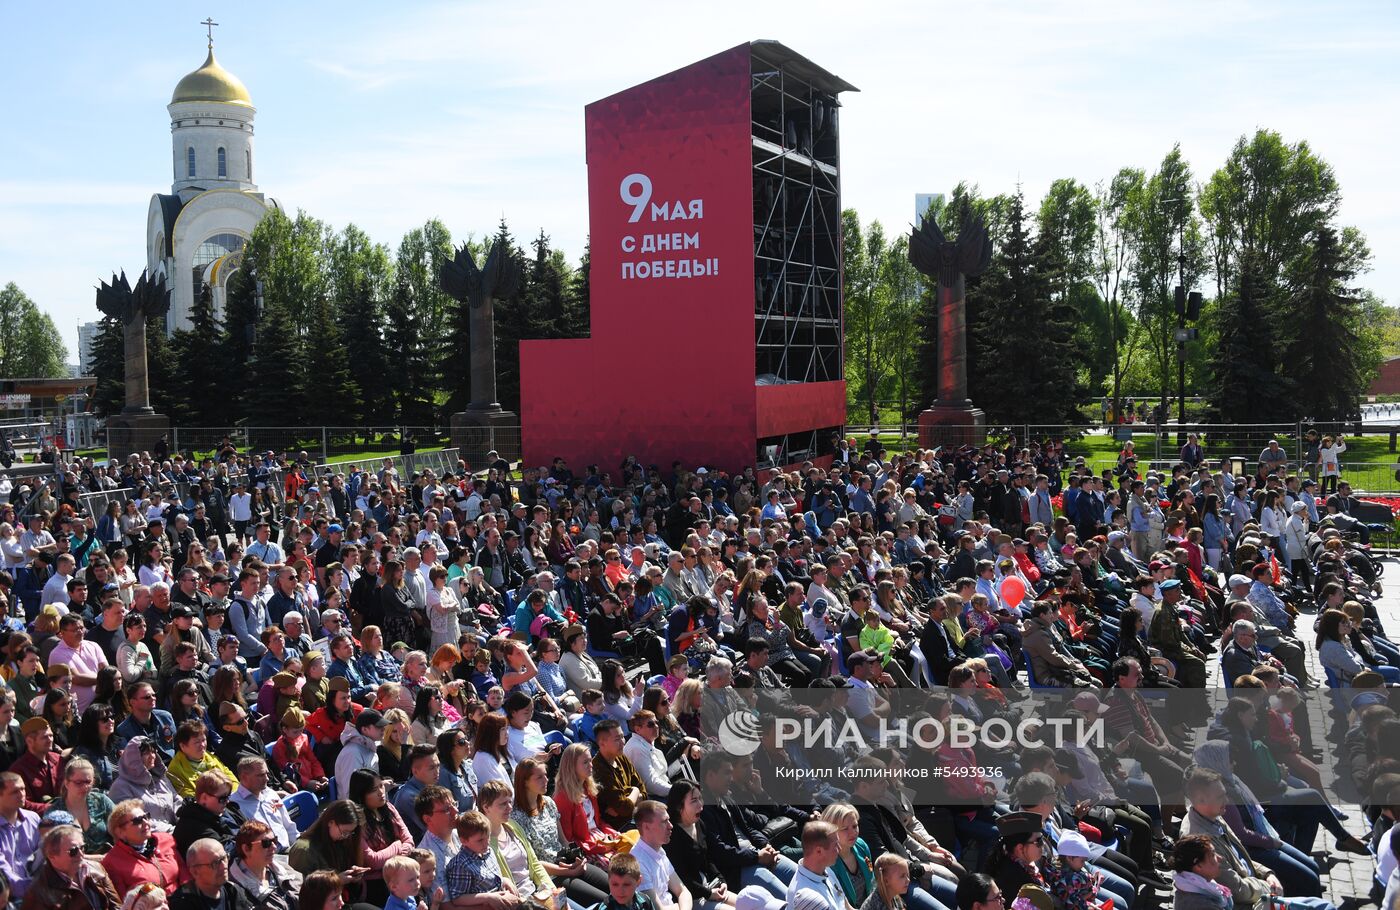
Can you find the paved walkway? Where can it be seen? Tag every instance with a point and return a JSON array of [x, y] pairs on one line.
[[1348, 882]]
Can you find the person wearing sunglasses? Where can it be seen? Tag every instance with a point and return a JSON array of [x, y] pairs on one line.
[[65, 880], [140, 855], [253, 870]]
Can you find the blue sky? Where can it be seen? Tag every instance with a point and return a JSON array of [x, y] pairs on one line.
[[387, 115]]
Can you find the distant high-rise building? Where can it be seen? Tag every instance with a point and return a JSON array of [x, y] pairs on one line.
[[87, 338], [921, 203]]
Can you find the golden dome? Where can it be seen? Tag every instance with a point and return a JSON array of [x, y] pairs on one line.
[[212, 82]]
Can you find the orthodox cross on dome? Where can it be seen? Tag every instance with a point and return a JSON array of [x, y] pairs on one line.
[[209, 24]]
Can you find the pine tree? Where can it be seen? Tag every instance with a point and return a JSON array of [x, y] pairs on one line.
[[240, 326], [515, 320], [362, 315], [277, 391], [1322, 314], [575, 323], [109, 368], [167, 394], [1245, 384], [432, 359], [200, 367], [334, 394], [407, 354], [361, 278]]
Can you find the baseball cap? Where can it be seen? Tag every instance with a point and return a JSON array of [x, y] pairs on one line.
[[1237, 580], [334, 529], [180, 611], [370, 718]]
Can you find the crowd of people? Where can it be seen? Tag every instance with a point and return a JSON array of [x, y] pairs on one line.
[[498, 691]]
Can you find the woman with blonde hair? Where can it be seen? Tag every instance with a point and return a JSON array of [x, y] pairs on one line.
[[576, 798], [686, 705], [394, 745], [853, 867]]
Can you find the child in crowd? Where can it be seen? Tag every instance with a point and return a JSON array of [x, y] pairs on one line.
[[876, 635], [624, 875], [823, 628], [495, 697], [401, 875], [1070, 883], [428, 893], [678, 671], [593, 703], [891, 882]]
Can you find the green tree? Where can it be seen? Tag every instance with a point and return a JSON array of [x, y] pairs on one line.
[[30, 345], [1324, 351], [868, 317], [579, 301], [1167, 250], [199, 362], [409, 366], [1245, 384], [361, 275], [441, 366], [109, 368], [1267, 200], [332, 389], [516, 319], [240, 327], [1113, 263]]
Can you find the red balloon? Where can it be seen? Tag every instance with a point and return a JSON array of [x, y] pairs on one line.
[[1013, 591]]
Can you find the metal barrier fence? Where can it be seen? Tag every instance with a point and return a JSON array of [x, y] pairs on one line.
[[326, 442]]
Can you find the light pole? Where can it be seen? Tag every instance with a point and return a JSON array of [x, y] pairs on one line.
[[1188, 309]]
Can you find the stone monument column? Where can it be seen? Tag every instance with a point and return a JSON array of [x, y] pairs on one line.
[[952, 420], [484, 425], [137, 428]]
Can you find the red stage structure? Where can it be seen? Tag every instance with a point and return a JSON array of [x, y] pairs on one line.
[[715, 233]]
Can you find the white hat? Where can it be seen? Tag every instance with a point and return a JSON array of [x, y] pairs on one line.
[[1072, 843], [756, 897], [1299, 507], [1237, 580]]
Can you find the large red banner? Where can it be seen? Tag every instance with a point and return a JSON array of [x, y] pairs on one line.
[[669, 370]]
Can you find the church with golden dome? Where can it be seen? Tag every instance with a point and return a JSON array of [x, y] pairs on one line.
[[196, 232]]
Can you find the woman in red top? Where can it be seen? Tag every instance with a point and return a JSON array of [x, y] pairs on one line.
[[326, 723], [576, 796], [140, 855]]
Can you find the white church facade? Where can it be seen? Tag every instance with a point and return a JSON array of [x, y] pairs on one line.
[[195, 233]]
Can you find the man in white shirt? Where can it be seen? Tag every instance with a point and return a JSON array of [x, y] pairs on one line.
[[56, 588], [659, 878], [815, 878], [429, 533], [258, 802], [644, 755]]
